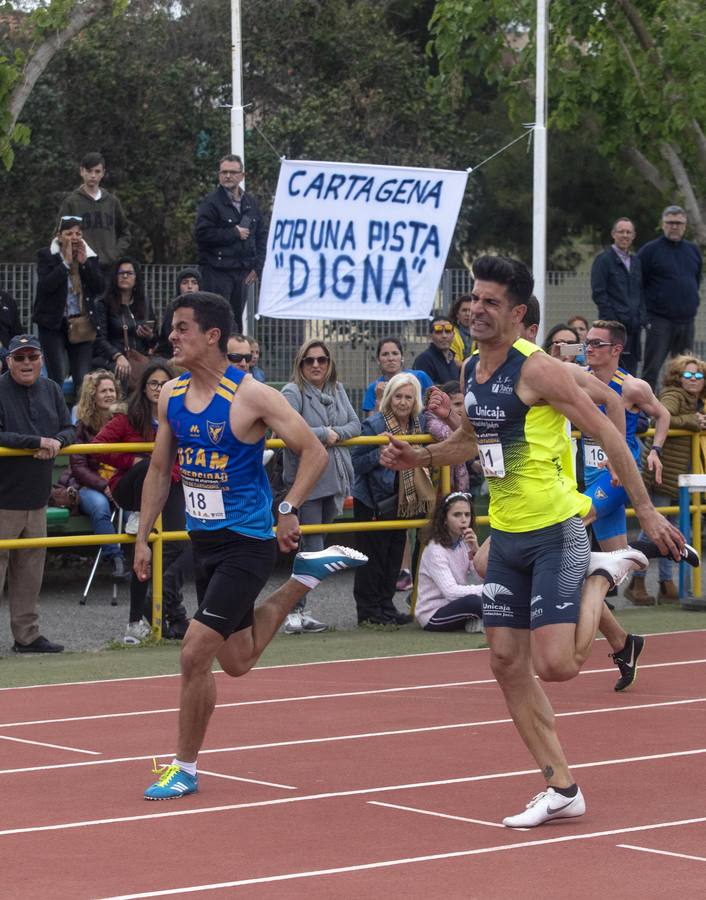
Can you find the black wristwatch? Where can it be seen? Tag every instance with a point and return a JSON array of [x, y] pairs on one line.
[[658, 450], [286, 509]]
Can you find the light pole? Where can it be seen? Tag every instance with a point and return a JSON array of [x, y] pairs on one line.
[[539, 192]]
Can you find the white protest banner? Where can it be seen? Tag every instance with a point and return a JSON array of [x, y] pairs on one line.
[[351, 241]]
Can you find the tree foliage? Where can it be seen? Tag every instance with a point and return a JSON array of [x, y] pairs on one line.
[[626, 76]]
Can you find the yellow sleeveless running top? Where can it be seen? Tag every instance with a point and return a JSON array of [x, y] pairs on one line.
[[525, 450]]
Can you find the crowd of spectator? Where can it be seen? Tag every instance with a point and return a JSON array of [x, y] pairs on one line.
[[94, 321]]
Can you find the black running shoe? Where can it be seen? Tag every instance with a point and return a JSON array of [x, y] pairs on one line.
[[626, 661], [649, 548]]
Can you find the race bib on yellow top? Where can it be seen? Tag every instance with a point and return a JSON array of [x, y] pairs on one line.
[[492, 460]]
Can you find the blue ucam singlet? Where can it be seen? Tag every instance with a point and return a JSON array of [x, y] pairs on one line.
[[225, 485], [592, 452]]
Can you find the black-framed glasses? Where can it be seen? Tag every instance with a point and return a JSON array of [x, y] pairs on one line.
[[240, 357], [156, 385], [124, 273], [697, 376], [315, 360], [596, 342], [439, 329]]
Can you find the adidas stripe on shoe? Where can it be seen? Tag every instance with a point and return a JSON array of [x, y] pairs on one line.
[[319, 564], [173, 782]]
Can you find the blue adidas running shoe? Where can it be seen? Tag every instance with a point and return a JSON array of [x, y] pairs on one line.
[[172, 782], [322, 563]]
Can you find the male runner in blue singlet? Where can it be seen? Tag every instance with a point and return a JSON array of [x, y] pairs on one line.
[[539, 619], [214, 417]]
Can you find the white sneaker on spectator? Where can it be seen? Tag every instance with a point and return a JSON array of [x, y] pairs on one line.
[[133, 523], [474, 625], [137, 632], [310, 624], [293, 623]]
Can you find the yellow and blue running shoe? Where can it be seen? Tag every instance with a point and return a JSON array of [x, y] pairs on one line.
[[172, 782]]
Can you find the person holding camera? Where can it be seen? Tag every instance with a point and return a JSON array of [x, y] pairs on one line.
[[126, 323], [68, 280]]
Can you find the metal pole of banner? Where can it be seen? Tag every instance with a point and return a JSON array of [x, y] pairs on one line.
[[539, 190], [237, 120]]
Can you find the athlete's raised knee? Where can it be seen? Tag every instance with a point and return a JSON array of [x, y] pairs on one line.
[[237, 667], [556, 668]]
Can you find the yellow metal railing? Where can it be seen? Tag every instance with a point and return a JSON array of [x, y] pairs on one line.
[[157, 537]]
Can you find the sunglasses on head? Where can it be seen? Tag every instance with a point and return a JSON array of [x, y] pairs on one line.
[[318, 360], [76, 219], [240, 357], [439, 329], [698, 376]]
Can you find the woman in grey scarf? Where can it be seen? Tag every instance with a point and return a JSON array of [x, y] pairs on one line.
[[317, 395]]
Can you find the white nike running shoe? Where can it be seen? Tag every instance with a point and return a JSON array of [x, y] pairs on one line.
[[617, 565], [546, 806]]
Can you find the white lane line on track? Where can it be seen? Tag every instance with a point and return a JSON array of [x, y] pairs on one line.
[[440, 815], [310, 697], [285, 787], [458, 854], [366, 735], [5, 737], [329, 795], [321, 662], [662, 852]]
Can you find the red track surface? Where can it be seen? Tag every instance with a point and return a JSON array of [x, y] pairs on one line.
[[310, 765]]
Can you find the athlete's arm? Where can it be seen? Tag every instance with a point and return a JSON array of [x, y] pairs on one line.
[[640, 394], [278, 415], [601, 395], [457, 448], [155, 489], [545, 379]]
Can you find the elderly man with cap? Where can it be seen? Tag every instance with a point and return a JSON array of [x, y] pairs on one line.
[[33, 416]]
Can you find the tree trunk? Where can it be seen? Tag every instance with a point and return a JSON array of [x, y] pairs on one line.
[[45, 52]]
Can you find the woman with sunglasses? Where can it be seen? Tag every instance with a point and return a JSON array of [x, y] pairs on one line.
[[125, 319], [318, 396], [683, 395], [137, 425], [446, 599], [68, 281]]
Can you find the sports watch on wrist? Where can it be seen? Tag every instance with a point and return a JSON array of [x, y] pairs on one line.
[[286, 509]]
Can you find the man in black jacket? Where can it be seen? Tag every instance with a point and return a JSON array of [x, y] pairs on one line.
[[33, 416], [671, 274], [231, 238], [438, 359], [616, 285]]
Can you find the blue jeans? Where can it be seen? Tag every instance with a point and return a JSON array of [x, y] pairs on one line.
[[97, 507]]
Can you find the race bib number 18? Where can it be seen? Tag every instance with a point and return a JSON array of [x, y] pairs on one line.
[[201, 504], [492, 460]]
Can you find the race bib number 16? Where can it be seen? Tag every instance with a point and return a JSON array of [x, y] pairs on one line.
[[594, 455]]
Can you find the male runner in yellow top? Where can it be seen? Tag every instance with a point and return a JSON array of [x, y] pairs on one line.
[[540, 615]]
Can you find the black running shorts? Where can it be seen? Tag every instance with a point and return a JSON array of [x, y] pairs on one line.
[[535, 578], [230, 570]]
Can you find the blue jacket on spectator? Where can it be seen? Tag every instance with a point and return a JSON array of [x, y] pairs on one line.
[[671, 275], [373, 482]]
